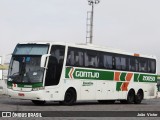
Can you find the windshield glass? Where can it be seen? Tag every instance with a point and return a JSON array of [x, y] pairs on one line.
[[25, 69], [31, 49]]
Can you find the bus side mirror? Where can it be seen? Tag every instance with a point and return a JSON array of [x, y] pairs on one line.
[[43, 60]]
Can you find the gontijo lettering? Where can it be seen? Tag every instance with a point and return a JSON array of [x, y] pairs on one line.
[[87, 74]]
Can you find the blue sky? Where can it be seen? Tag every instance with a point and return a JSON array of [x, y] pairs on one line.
[[130, 25]]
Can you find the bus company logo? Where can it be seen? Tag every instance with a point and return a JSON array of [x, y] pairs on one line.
[[71, 73], [82, 74]]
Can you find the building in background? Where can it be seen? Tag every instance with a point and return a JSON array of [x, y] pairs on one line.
[[3, 74]]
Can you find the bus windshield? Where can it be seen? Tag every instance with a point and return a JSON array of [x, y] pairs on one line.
[[25, 63], [26, 69], [31, 49]]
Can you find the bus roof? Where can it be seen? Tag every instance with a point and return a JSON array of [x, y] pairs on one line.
[[92, 47]]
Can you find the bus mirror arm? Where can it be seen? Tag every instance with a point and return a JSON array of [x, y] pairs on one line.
[[43, 60]]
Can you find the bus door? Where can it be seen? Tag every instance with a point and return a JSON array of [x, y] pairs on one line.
[[55, 65]]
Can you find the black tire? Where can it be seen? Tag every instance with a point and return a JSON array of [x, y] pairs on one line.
[[130, 97], [139, 97], [38, 102], [106, 101], [69, 98]]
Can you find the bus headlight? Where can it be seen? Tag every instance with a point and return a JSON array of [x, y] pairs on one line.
[[38, 88]]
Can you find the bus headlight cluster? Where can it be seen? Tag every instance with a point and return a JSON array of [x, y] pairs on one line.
[[38, 88]]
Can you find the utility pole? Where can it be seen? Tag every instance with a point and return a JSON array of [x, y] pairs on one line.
[[90, 14]]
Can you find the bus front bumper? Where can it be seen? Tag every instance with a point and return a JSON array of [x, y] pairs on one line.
[[32, 95]]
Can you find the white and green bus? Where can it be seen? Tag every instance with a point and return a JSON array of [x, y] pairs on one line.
[[67, 73]]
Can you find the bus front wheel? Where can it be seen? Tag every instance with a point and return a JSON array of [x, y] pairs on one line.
[[69, 98], [38, 102]]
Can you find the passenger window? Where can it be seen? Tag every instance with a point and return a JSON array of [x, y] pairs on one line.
[[70, 58], [108, 63], [132, 64], [78, 58], [143, 65], [123, 63], [151, 66], [91, 59], [75, 57], [118, 63]]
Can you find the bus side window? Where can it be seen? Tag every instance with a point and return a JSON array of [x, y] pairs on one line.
[[70, 58], [101, 61], [118, 63], [108, 61], [151, 66], [143, 65], [132, 64], [80, 55], [136, 65], [91, 59], [123, 63], [75, 57]]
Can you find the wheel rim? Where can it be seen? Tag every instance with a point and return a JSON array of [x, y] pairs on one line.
[[69, 97], [139, 96], [131, 97]]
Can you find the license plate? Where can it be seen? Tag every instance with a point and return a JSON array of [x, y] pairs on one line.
[[21, 94]]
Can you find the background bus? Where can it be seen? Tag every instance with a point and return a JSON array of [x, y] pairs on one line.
[[68, 73]]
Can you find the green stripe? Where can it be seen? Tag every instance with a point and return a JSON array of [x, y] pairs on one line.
[[67, 72], [26, 85], [89, 74], [123, 77], [145, 78], [136, 77], [118, 86]]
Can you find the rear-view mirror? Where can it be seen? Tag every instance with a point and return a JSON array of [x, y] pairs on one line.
[[43, 60]]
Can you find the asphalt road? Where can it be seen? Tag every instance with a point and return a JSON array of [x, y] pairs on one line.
[[8, 104]]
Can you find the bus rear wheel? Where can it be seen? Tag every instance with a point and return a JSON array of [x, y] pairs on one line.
[[139, 97], [130, 98], [69, 98], [38, 102]]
